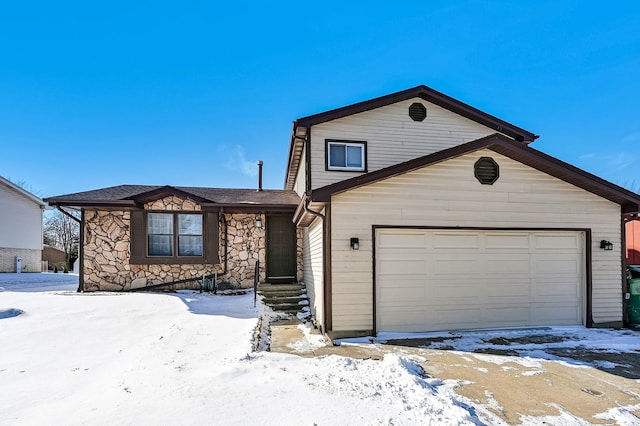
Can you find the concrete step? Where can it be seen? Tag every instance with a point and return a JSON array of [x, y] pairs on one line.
[[281, 287], [282, 293], [288, 299]]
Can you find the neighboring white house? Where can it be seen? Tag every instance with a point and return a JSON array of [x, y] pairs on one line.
[[20, 228]]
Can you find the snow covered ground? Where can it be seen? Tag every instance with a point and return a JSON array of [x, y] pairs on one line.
[[186, 358]]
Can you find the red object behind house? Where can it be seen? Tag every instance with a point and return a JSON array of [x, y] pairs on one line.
[[633, 242]]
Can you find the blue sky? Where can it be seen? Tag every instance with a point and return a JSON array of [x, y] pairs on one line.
[[95, 94]]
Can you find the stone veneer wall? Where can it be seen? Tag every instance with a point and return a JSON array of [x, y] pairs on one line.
[[30, 259], [107, 253]]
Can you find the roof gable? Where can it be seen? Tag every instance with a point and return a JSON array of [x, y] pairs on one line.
[[629, 201], [302, 125], [21, 191], [164, 191]]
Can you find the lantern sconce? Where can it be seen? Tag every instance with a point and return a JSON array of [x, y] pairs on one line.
[[258, 222], [606, 245], [354, 243]]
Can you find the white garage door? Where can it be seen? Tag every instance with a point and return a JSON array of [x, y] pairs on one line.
[[431, 280]]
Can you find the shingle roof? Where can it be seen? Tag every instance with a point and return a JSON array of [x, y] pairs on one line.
[[128, 194]]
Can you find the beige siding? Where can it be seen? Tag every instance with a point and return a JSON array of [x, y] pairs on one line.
[[300, 183], [447, 194], [392, 137], [20, 221], [313, 268]]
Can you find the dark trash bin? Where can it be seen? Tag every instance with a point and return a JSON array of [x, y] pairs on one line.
[[634, 300]]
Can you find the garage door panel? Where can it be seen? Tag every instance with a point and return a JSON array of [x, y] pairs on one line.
[[445, 280], [511, 289], [447, 292], [556, 242], [545, 289], [554, 265], [556, 314], [507, 241], [404, 294], [497, 316], [448, 240], [516, 264], [445, 319], [450, 265], [402, 266], [405, 240]]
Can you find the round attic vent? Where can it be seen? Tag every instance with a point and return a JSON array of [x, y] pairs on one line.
[[486, 170], [417, 112]]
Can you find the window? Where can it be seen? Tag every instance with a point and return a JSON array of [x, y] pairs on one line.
[[189, 235], [160, 228], [162, 234], [174, 237], [346, 155]]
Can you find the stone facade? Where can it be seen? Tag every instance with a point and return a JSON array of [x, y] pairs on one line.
[[30, 259], [107, 238]]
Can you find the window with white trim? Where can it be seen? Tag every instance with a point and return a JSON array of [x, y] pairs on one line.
[[346, 155]]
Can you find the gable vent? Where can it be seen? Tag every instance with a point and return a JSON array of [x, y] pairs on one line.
[[417, 112], [486, 170]]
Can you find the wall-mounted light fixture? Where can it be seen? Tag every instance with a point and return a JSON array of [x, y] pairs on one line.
[[258, 222], [354, 243], [606, 245]]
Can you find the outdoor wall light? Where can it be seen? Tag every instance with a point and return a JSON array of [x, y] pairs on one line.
[[258, 222], [606, 245], [355, 243]]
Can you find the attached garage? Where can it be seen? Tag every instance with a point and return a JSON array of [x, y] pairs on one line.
[[442, 248], [451, 279]]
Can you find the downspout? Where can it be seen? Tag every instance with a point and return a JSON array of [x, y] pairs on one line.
[[80, 245], [325, 284]]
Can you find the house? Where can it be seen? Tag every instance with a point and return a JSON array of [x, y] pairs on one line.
[[632, 228], [408, 212], [20, 228], [137, 236]]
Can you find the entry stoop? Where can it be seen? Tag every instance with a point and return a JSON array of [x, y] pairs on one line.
[[287, 298]]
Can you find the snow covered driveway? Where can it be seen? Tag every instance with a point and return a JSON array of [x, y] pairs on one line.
[[185, 358]]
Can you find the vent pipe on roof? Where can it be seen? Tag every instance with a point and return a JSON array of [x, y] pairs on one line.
[[259, 175]]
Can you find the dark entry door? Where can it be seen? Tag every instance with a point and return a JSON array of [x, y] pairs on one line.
[[281, 249]]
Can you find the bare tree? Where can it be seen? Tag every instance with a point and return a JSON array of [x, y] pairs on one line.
[[64, 233]]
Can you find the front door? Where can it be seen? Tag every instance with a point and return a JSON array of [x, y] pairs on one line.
[[281, 249]]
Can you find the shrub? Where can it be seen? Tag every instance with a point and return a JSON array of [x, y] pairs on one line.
[[65, 270], [55, 269]]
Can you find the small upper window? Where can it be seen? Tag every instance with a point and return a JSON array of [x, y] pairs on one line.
[[346, 155]]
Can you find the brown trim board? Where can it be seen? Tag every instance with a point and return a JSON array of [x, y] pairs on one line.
[[588, 315]]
